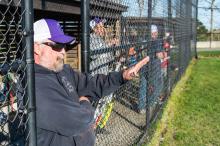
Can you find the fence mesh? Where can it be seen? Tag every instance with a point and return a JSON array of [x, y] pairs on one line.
[[122, 33], [13, 105], [208, 33]]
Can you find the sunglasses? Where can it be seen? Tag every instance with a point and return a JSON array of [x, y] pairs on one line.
[[55, 46]]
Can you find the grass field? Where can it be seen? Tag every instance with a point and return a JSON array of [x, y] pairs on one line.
[[209, 54], [191, 117]]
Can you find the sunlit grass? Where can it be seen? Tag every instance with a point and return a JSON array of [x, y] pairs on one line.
[[209, 54], [191, 117]]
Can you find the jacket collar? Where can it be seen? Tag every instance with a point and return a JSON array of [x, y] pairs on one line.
[[43, 70]]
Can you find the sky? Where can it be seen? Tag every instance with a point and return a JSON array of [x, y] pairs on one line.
[[159, 8], [204, 15]]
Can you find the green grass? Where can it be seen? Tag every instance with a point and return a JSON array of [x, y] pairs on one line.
[[191, 117], [209, 54]]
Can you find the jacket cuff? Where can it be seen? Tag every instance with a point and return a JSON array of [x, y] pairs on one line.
[[122, 80], [84, 102]]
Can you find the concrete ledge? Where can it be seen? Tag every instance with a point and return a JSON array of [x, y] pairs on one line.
[[202, 45]]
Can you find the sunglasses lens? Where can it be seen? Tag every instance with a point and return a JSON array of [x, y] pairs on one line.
[[55, 46], [59, 46]]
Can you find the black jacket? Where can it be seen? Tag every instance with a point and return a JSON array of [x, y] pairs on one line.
[[61, 119]]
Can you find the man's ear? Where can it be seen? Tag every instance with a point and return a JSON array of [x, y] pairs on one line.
[[36, 48]]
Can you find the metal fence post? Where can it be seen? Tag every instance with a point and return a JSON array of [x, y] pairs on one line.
[[196, 55], [28, 33], [169, 15], [147, 99], [85, 47], [170, 24]]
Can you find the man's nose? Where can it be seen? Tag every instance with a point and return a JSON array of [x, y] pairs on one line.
[[63, 51]]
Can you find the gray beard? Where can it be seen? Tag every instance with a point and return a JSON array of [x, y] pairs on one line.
[[59, 65]]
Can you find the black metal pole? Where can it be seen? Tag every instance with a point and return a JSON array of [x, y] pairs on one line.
[[196, 55], [170, 24], [148, 72], [43, 4], [85, 47], [190, 32], [180, 25], [169, 15], [149, 17], [28, 33]]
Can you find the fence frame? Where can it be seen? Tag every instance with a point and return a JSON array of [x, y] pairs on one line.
[[28, 33]]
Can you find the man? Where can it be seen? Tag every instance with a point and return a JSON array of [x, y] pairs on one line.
[[97, 42], [64, 112], [154, 71], [150, 74]]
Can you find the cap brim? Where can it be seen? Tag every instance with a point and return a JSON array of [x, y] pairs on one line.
[[63, 39], [103, 20]]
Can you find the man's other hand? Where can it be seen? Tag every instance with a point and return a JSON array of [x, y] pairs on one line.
[[81, 98]]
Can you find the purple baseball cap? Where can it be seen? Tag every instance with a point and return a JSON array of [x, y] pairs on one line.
[[96, 21], [50, 29]]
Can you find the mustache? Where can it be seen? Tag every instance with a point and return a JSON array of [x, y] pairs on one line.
[[60, 59]]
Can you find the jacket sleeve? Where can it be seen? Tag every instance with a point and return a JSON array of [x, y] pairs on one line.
[[58, 113], [99, 85]]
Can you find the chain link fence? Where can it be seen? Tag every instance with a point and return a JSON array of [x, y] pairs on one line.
[[12, 75], [14, 129], [208, 41], [122, 32], [204, 37]]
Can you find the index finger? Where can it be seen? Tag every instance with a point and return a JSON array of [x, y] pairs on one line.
[[141, 63]]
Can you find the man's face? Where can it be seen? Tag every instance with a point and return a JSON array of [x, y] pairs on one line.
[[100, 29], [52, 55], [154, 35]]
